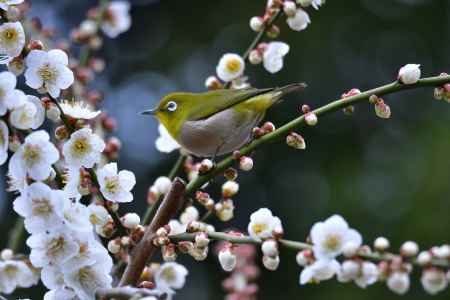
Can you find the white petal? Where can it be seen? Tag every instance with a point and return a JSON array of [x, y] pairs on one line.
[[58, 56]]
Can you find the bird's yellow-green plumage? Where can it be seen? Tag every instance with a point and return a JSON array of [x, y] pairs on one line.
[[216, 122]]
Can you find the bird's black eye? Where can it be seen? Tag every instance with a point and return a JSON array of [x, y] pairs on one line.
[[171, 106]]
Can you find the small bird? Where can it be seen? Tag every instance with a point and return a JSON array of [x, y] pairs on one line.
[[216, 122]]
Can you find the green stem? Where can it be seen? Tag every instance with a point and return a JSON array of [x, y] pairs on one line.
[[300, 121], [152, 209], [16, 235], [298, 246]]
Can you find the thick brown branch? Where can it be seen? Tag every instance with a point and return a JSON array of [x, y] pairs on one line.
[[145, 249], [125, 293]]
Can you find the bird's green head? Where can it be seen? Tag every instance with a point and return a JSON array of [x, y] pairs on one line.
[[172, 111]]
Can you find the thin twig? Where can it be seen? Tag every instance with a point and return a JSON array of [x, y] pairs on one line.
[[295, 245], [300, 121], [145, 249]]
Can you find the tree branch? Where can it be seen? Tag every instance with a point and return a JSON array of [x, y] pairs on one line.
[[124, 293], [324, 110], [145, 249], [295, 245]]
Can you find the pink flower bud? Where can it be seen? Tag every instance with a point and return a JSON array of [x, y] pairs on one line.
[[311, 119], [295, 140], [246, 163]]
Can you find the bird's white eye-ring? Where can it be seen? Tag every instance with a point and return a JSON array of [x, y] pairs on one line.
[[171, 106]]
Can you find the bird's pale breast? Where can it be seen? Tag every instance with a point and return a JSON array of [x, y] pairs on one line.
[[218, 134]]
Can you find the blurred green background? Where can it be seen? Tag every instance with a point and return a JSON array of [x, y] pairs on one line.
[[386, 177]]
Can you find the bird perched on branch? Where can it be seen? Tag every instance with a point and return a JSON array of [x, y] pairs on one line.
[[216, 122]]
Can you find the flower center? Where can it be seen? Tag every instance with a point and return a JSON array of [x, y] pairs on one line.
[[112, 184], [333, 242], [9, 35], [11, 270], [80, 147], [233, 65], [48, 73], [41, 207], [169, 274], [258, 228], [31, 155], [55, 246]]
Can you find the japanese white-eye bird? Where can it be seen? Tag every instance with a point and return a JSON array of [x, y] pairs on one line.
[[219, 121]]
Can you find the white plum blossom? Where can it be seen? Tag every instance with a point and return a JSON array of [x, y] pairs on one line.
[[34, 157], [79, 110], [29, 115], [4, 4], [98, 215], [4, 142], [169, 276], [48, 70], [10, 97], [116, 186], [299, 21], [314, 3], [91, 252], [12, 40], [230, 67], [54, 246], [273, 56], [165, 142], [330, 237], [262, 224], [409, 74], [163, 184], [83, 148], [189, 215], [320, 270], [117, 19], [73, 179], [75, 216], [15, 273], [434, 280], [176, 227], [61, 294], [40, 206], [363, 274], [86, 279], [227, 259], [52, 277], [398, 282]]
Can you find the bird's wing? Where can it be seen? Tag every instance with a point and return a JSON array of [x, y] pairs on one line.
[[215, 101]]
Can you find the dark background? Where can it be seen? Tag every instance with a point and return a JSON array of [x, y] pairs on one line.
[[386, 177]]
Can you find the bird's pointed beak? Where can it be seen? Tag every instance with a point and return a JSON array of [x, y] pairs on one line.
[[149, 111]]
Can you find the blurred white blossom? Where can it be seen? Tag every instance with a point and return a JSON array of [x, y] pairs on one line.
[[117, 19], [4, 4], [15, 273], [48, 70], [170, 276], [273, 56], [79, 110], [319, 270], [299, 21]]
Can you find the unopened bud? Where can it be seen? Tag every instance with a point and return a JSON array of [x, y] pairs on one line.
[[131, 220], [256, 23], [268, 127], [163, 185], [61, 132], [381, 244], [201, 240], [53, 113], [382, 110], [229, 189], [6, 254], [246, 163], [255, 57], [311, 119], [271, 263], [409, 249], [269, 248], [409, 74], [169, 252], [424, 258], [212, 83], [296, 141], [35, 45], [114, 246], [227, 259], [289, 8], [205, 166]]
